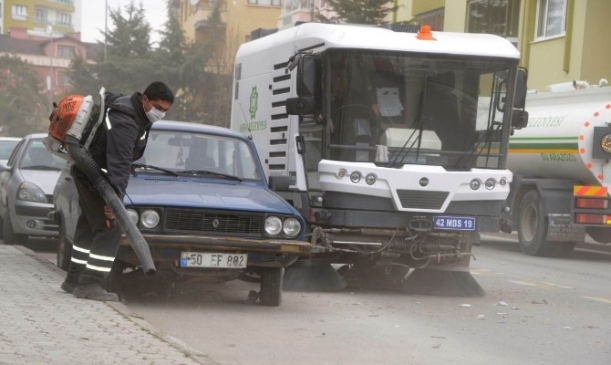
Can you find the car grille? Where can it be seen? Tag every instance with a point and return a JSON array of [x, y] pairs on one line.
[[192, 220], [417, 199]]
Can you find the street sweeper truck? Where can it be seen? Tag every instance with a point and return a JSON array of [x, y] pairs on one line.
[[562, 172], [392, 145]]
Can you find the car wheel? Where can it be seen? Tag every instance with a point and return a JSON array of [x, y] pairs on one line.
[[10, 237], [271, 286], [64, 249]]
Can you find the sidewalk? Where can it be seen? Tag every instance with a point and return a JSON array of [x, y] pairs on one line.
[[40, 324]]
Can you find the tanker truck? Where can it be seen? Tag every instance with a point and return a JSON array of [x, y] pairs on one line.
[[562, 174], [391, 144]]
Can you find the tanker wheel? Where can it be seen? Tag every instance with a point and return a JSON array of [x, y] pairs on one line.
[[532, 226]]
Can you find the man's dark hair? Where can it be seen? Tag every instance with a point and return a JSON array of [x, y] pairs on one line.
[[159, 91]]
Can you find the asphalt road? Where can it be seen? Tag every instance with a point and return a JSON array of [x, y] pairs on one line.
[[535, 311]]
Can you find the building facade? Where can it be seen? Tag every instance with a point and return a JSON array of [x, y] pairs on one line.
[[559, 40], [41, 17], [238, 19]]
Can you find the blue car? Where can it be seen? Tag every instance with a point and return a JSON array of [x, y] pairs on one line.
[[200, 198]]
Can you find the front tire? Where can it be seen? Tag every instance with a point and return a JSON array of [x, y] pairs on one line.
[[10, 237], [64, 249], [271, 286]]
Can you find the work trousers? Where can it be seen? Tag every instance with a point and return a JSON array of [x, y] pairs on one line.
[[96, 240]]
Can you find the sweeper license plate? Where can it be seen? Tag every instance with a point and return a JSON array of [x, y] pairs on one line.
[[454, 223], [219, 260]]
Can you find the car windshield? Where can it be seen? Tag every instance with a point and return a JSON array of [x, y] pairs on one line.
[[37, 157], [195, 152]]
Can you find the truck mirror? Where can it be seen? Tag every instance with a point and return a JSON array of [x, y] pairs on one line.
[[519, 119], [307, 76], [521, 89], [300, 106], [279, 182]]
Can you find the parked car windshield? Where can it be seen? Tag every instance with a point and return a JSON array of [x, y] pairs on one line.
[[37, 157], [184, 151], [6, 148]]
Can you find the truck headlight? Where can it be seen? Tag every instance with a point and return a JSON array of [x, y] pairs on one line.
[[475, 184], [291, 227], [149, 219], [273, 226], [490, 184], [355, 177], [30, 192]]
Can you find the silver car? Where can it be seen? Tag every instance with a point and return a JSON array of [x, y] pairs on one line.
[[27, 181]]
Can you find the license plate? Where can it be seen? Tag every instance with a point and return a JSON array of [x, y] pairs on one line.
[[218, 260], [454, 223]]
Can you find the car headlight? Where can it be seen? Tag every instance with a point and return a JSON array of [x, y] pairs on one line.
[[273, 226], [291, 227], [149, 218], [31, 193], [133, 215]]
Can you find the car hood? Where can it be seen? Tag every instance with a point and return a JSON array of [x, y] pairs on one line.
[[44, 179], [202, 193]]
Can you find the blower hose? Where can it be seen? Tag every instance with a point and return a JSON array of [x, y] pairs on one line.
[[85, 163]]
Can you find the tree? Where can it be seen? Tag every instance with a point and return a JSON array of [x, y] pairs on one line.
[[362, 11], [130, 36], [24, 109]]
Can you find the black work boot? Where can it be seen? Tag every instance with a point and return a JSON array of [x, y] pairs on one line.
[[68, 286], [94, 291]]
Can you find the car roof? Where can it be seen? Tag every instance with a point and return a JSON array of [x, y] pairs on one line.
[[36, 135], [195, 127], [10, 139]]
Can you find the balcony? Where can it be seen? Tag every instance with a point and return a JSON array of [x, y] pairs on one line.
[[63, 5]]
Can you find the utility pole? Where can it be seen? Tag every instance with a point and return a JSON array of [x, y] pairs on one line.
[[312, 11], [105, 27], [50, 83]]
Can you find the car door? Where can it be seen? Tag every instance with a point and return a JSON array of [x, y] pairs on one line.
[[6, 175]]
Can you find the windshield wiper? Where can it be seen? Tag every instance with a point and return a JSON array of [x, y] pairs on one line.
[[207, 172], [144, 166], [40, 167]]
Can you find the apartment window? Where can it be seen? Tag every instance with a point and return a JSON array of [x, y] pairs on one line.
[[40, 16], [19, 12], [65, 51], [498, 17], [432, 18], [64, 19], [551, 18]]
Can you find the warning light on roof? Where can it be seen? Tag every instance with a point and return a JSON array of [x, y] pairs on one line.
[[425, 33]]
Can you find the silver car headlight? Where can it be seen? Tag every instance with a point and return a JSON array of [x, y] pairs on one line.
[[291, 227], [149, 219], [133, 215], [273, 226], [30, 192]]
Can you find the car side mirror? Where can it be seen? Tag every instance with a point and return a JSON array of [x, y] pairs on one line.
[[4, 167], [279, 182]]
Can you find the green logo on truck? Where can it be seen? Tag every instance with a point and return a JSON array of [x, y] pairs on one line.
[[254, 102]]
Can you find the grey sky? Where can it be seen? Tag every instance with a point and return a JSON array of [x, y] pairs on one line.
[[93, 17]]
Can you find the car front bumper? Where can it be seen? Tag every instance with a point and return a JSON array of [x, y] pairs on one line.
[[32, 219], [262, 253]]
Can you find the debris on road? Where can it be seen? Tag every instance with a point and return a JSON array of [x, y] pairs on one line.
[[465, 305]]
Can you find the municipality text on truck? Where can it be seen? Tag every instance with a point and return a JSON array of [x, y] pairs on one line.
[[391, 144]]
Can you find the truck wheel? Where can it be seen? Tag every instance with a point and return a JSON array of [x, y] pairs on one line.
[[10, 237], [271, 286], [64, 249], [532, 226]]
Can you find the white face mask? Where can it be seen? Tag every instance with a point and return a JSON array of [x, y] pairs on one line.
[[155, 114]]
